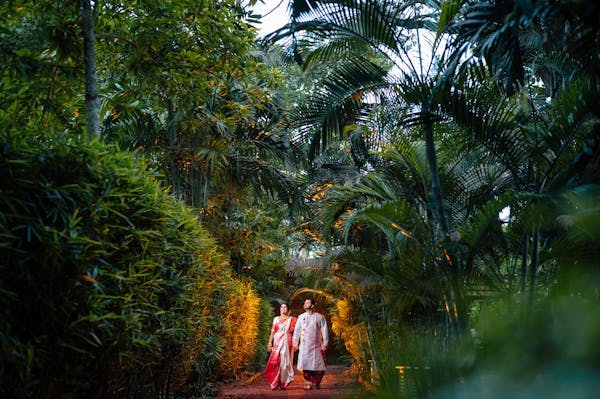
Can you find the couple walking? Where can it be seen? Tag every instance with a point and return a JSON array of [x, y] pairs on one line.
[[308, 334]]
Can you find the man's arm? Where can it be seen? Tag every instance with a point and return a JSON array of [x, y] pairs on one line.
[[324, 333], [296, 335]]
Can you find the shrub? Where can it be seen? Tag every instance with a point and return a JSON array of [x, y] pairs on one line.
[[106, 280]]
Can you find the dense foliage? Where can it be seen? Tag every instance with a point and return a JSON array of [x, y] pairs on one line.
[[454, 153], [109, 282], [180, 82], [110, 287]]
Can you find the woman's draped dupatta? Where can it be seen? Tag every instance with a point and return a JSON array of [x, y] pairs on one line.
[[279, 371]]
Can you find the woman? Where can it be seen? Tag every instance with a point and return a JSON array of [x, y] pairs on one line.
[[280, 369]]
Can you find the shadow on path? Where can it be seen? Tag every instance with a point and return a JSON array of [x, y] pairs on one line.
[[339, 383]]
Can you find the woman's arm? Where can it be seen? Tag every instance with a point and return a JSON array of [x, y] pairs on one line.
[[270, 345]]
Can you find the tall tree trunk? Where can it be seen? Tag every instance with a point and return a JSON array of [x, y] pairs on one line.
[[374, 353], [533, 266], [172, 137], [435, 177], [92, 101], [453, 291], [525, 256]]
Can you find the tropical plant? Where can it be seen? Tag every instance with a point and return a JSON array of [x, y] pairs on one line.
[[553, 41], [108, 282], [179, 83], [385, 216], [484, 148], [373, 44]]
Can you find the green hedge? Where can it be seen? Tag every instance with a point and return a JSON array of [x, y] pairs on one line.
[[106, 281]]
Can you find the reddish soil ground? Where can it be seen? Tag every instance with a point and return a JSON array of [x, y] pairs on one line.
[[339, 383]]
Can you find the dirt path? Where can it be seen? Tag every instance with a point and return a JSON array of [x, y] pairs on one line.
[[338, 383]]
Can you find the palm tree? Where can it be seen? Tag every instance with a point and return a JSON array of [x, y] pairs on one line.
[[374, 52], [525, 44], [356, 34], [91, 80], [550, 40], [488, 149]]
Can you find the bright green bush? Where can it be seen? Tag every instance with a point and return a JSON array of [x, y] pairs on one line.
[[106, 280], [257, 362], [240, 329], [224, 322]]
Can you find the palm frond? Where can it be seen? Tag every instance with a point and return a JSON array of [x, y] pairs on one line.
[[263, 176], [337, 103], [489, 120], [569, 124], [482, 235]]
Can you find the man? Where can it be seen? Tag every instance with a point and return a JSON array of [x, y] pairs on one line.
[[311, 332]]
